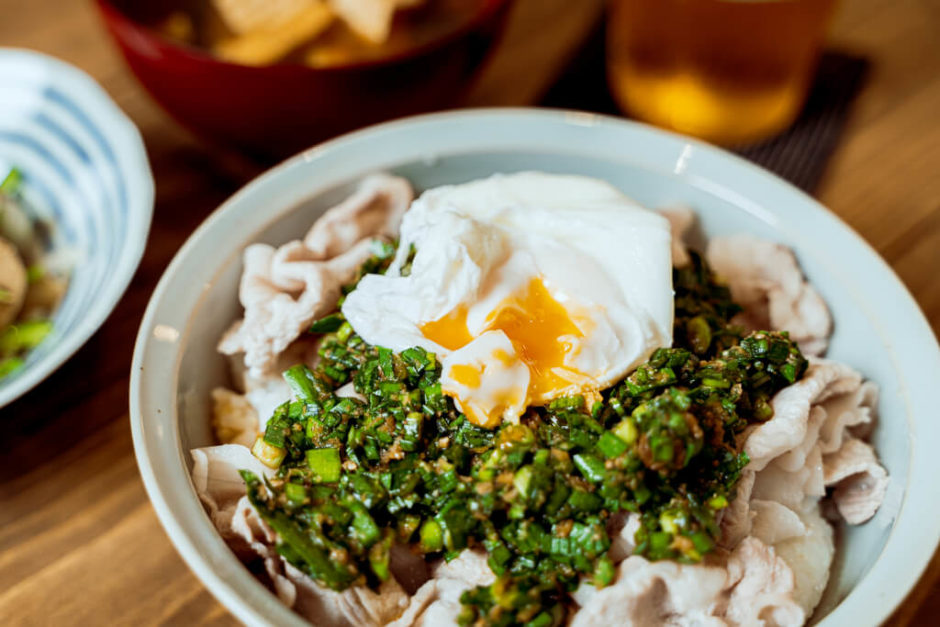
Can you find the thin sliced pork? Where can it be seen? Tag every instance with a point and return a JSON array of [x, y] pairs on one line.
[[284, 289], [765, 278], [437, 602]]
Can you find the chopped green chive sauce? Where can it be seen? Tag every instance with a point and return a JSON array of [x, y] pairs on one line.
[[404, 465]]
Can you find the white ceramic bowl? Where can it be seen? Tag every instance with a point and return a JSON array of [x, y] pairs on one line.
[[85, 170], [879, 328]]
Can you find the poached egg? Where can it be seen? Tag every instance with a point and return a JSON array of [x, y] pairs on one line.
[[528, 287]]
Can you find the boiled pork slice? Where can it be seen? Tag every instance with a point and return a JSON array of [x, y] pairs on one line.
[[765, 278], [284, 289]]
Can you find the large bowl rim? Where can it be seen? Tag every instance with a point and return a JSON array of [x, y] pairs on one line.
[[915, 534], [135, 167]]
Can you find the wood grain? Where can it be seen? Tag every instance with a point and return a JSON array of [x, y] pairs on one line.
[[79, 543]]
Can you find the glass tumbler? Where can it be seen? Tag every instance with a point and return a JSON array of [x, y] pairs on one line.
[[728, 71]]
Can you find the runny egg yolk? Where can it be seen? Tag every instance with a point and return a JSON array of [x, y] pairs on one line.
[[540, 329], [451, 331], [466, 375]]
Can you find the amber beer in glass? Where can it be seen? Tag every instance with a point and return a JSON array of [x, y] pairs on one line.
[[729, 71]]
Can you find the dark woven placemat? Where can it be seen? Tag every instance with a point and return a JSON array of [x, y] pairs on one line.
[[799, 154]]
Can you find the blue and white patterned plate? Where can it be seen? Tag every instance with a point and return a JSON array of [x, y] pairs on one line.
[[85, 170]]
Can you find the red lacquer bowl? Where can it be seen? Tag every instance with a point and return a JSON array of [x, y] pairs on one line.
[[278, 110]]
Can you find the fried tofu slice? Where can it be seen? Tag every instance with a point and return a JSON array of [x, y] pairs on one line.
[[272, 43], [371, 19], [247, 16]]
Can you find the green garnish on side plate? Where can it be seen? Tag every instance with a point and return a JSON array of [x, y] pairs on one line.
[[25, 324], [11, 182]]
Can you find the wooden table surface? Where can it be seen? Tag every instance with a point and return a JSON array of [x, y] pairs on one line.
[[79, 542]]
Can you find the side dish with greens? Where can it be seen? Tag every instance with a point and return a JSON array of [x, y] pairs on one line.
[[540, 455], [29, 293]]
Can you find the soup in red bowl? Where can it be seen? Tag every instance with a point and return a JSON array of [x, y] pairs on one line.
[[272, 99]]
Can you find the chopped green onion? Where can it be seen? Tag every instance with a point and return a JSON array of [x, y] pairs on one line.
[[10, 365], [699, 334], [325, 464], [24, 336], [299, 380], [544, 619], [345, 330], [523, 481], [270, 456], [328, 324], [295, 493], [612, 445], [581, 501], [718, 501], [626, 431], [364, 528], [660, 540], [702, 542], [591, 467], [12, 182], [34, 273], [432, 536], [379, 557], [670, 522], [604, 572]]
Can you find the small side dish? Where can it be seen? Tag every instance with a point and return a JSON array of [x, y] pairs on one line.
[[31, 283], [525, 401]]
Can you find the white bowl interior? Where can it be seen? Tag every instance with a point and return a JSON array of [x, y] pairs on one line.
[[176, 364]]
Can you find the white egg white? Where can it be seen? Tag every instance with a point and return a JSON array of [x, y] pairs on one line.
[[587, 264]]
